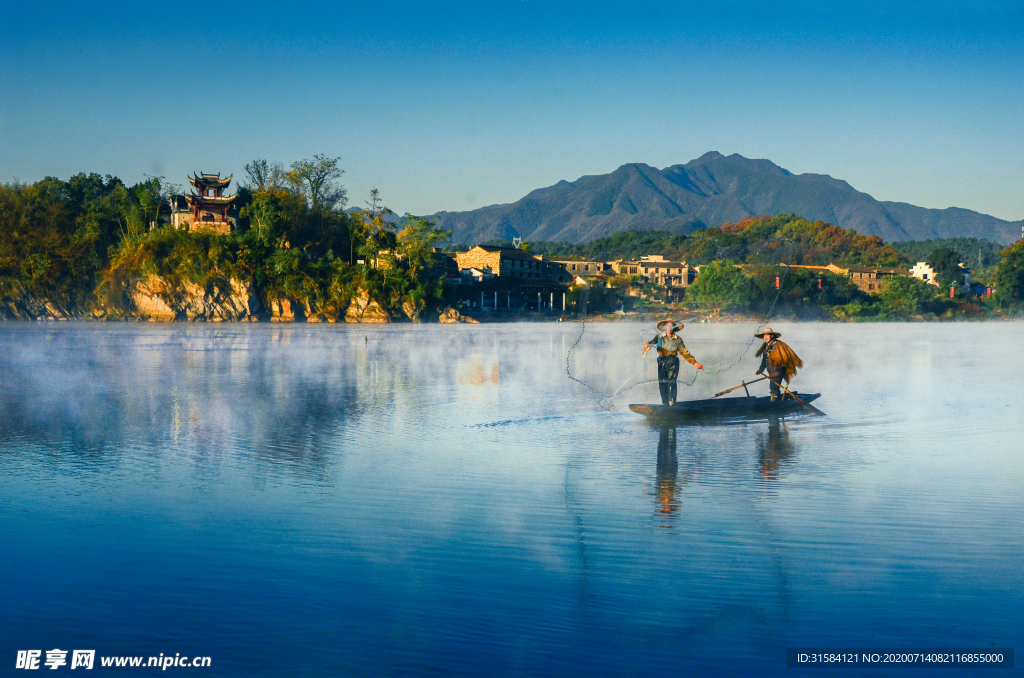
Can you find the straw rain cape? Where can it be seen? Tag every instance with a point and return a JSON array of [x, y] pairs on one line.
[[782, 358]]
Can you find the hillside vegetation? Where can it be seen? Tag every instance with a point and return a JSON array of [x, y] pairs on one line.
[[83, 245], [785, 238], [87, 246]]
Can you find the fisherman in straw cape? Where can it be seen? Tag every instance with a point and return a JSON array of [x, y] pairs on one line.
[[778, 359], [670, 347]]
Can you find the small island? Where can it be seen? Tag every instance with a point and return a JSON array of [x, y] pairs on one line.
[[283, 248]]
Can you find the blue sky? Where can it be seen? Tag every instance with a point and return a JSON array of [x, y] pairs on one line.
[[452, 106]]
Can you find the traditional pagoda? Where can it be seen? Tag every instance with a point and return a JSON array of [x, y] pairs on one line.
[[206, 207]]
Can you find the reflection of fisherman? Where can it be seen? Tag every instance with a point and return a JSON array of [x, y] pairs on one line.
[[774, 449], [670, 347], [778, 359], [668, 466]]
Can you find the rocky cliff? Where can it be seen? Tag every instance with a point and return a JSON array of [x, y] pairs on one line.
[[154, 299]]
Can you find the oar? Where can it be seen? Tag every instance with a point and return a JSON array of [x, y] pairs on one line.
[[812, 408], [746, 383]]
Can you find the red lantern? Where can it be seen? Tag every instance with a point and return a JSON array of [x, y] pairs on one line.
[[776, 282], [819, 283], [951, 292]]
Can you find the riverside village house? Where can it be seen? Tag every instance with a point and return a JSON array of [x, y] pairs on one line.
[[655, 269], [511, 278], [509, 262], [866, 278], [484, 261]]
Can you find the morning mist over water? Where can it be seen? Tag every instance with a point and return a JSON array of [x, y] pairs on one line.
[[445, 500]]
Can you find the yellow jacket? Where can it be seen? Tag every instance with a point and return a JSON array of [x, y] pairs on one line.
[[778, 358]]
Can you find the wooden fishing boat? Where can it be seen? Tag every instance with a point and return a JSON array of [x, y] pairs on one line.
[[725, 408]]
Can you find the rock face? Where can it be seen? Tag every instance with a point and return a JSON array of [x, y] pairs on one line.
[[148, 303], [366, 310], [153, 299], [285, 310], [450, 315], [31, 308]]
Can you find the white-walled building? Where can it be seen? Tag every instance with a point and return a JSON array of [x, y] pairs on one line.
[[923, 271], [926, 273]]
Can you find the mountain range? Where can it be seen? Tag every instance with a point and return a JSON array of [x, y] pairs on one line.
[[707, 192]]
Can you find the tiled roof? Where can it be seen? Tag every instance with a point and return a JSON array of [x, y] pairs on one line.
[[209, 180], [853, 268], [509, 252], [658, 264]]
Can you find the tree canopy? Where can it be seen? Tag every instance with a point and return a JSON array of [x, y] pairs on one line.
[[1009, 276], [946, 264], [91, 240], [758, 240]]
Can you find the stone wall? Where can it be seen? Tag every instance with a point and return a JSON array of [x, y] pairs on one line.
[[481, 259], [184, 220], [585, 269], [869, 281]]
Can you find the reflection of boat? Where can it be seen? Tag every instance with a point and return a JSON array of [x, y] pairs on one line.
[[723, 408]]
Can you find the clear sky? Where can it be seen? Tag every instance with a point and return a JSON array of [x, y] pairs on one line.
[[453, 106]]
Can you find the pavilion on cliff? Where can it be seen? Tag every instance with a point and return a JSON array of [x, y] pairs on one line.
[[206, 207]]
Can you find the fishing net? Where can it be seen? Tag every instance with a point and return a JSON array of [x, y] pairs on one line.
[[605, 400]]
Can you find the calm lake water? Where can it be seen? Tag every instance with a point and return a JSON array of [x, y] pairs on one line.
[[444, 500]]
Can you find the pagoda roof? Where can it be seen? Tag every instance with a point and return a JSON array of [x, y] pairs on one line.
[[209, 180], [210, 199]]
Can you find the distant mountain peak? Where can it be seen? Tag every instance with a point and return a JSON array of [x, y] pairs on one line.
[[707, 157], [750, 165], [706, 192], [635, 166]]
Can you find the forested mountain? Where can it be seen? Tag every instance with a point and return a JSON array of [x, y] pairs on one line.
[[708, 192]]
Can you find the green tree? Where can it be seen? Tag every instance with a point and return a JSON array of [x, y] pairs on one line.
[[375, 229], [722, 285], [1009, 276], [268, 214], [801, 287], [264, 176], [905, 296], [946, 263], [55, 236], [418, 242], [319, 180]]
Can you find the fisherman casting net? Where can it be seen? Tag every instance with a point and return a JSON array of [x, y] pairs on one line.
[[605, 400]]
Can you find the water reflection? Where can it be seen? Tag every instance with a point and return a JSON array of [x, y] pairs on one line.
[[80, 401], [384, 484], [774, 448], [475, 374], [668, 483]]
